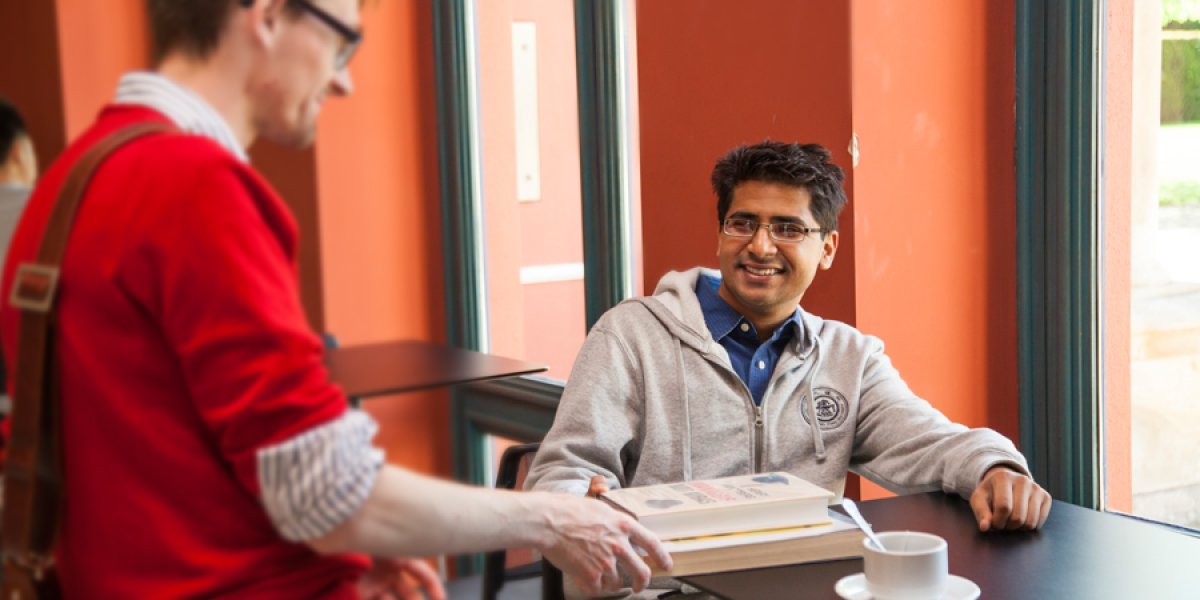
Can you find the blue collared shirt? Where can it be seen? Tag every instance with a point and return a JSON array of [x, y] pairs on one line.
[[752, 361]]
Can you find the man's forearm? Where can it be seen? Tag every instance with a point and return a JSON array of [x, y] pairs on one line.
[[408, 514]]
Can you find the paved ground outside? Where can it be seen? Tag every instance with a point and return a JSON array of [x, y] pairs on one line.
[[1166, 347]]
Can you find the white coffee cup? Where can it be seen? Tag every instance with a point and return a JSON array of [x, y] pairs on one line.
[[911, 566]]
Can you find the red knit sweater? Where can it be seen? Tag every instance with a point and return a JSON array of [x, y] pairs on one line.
[[184, 350]]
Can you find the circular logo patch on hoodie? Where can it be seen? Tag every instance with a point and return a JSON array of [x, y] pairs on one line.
[[832, 408]]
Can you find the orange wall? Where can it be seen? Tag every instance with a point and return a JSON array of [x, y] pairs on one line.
[[29, 30], [376, 171], [380, 221], [933, 110], [97, 41], [927, 256], [921, 100]]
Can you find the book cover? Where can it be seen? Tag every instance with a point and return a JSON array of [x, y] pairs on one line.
[[835, 540], [726, 505]]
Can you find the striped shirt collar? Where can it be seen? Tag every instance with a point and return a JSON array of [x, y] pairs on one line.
[[184, 107]]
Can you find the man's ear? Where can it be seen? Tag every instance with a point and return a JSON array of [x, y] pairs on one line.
[[20, 166], [263, 18], [26, 159], [828, 249]]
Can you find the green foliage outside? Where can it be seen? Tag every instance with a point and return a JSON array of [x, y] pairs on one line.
[[1181, 14], [1180, 63], [1179, 193], [1180, 81], [1178, 152], [1179, 136]]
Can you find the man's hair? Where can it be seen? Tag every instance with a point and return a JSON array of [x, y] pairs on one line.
[[807, 166], [12, 128], [189, 26], [192, 26]]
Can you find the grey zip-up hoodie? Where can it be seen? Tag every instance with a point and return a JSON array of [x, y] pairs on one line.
[[653, 398]]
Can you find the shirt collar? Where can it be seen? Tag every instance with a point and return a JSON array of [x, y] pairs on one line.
[[185, 108], [722, 318], [793, 327]]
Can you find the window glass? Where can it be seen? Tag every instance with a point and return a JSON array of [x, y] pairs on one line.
[[530, 141], [1164, 263]]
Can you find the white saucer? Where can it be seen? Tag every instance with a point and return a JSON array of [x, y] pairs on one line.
[[854, 587]]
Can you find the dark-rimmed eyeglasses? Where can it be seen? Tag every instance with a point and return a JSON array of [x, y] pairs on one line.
[[351, 38], [780, 232]]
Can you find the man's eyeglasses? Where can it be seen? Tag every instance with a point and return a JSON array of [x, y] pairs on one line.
[[351, 38], [780, 232]]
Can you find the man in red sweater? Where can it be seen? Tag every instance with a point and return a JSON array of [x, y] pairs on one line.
[[205, 451]]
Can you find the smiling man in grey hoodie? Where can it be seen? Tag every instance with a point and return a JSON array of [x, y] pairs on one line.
[[722, 373]]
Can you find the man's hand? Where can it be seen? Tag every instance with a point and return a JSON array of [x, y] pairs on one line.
[[1008, 500], [593, 544], [402, 578]]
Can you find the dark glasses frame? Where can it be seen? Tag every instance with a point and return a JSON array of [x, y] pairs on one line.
[[352, 37]]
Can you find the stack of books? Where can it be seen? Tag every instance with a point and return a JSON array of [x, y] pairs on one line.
[[741, 522]]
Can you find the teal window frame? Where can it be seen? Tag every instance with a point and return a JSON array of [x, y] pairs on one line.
[[1059, 46]]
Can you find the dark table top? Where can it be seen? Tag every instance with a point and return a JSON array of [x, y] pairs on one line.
[[408, 365], [1080, 553]]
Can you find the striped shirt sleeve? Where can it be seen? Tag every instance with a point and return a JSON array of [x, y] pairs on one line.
[[319, 478]]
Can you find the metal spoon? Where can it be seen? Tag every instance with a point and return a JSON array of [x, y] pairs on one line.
[[852, 510]]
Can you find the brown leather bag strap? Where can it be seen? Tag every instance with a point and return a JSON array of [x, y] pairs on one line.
[[32, 474]]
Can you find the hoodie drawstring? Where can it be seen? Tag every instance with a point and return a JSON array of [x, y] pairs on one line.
[[813, 423], [687, 416]]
